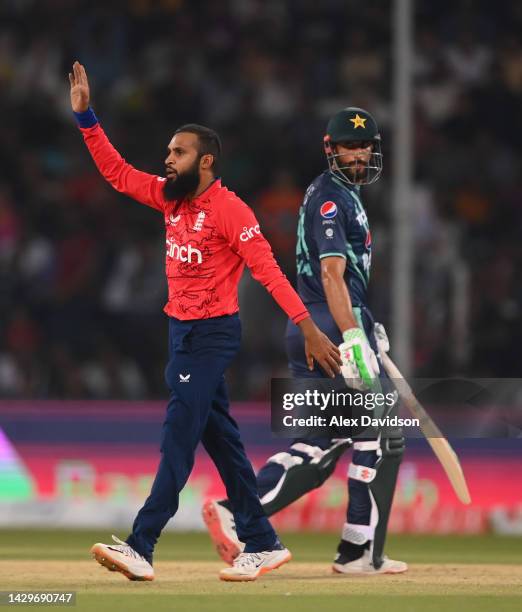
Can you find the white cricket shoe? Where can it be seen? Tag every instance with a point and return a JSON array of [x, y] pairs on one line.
[[248, 566], [364, 566], [120, 557], [222, 530]]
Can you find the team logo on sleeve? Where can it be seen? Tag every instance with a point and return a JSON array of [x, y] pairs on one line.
[[328, 210]]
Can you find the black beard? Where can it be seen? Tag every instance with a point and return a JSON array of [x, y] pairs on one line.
[[183, 184], [355, 172]]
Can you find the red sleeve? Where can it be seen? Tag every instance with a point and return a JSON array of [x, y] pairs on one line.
[[143, 187], [240, 227]]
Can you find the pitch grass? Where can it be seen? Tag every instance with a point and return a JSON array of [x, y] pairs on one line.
[[446, 573], [306, 547]]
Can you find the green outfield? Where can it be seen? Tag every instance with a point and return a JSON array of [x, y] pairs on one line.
[[446, 573]]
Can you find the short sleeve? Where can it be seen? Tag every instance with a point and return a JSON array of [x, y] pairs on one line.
[[328, 228]]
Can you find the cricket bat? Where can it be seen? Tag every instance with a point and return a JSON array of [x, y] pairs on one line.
[[440, 446]]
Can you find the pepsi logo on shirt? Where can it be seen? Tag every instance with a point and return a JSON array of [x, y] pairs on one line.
[[328, 210]]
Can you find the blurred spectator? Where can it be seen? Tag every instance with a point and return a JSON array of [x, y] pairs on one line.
[[438, 96], [82, 268], [510, 58], [468, 60], [362, 63], [9, 227], [111, 375], [277, 207]]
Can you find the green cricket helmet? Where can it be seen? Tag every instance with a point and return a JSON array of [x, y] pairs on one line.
[[356, 128]]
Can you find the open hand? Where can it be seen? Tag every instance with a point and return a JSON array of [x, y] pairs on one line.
[[79, 88], [318, 347]]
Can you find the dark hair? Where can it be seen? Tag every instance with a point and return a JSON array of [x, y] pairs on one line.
[[209, 142]]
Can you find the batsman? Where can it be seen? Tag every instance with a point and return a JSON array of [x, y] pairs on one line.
[[333, 270]]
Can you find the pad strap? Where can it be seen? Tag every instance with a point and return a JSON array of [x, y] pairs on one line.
[[357, 534], [367, 445], [314, 452], [361, 472], [286, 460]]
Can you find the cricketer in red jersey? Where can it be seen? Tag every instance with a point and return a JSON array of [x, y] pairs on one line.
[[209, 238], [210, 235]]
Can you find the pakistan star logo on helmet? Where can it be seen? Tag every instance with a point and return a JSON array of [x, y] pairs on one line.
[[356, 130]]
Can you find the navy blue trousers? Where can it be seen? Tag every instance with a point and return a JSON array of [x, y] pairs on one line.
[[198, 410], [359, 505]]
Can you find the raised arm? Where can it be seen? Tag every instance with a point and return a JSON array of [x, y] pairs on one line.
[[143, 187]]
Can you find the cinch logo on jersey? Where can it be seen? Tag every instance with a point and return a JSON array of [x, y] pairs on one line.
[[328, 210], [249, 232], [182, 252]]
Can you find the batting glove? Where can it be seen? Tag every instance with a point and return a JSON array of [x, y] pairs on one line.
[[360, 368]]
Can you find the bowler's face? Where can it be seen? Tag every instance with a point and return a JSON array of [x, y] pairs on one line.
[[182, 154]]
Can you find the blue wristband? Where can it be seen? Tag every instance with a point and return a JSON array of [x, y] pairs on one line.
[[86, 119]]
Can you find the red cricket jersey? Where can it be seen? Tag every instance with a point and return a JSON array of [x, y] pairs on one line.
[[208, 241]]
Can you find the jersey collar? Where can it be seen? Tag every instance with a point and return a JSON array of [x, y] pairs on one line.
[[347, 186], [210, 190]]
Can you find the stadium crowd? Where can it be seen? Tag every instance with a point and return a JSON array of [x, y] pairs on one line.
[[82, 268]]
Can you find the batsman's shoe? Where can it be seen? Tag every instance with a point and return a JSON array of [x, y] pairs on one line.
[[222, 530], [120, 557], [364, 566], [248, 566]]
